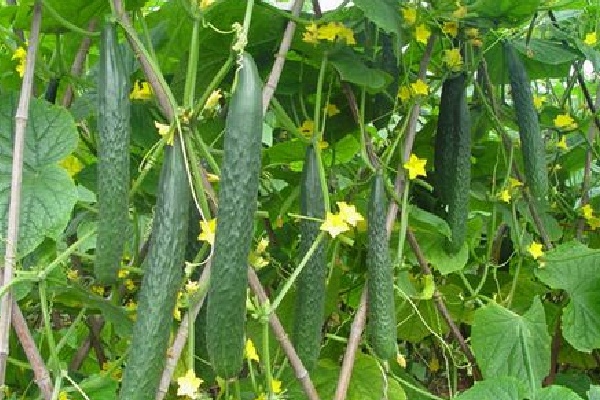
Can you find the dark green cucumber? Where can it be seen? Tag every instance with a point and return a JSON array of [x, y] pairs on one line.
[[453, 158], [113, 157], [311, 288], [163, 273], [238, 191], [532, 142], [381, 310]]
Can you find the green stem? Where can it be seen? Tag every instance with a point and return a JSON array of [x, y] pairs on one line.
[[417, 389], [266, 356], [361, 122], [192, 67], [146, 34], [316, 137], [71, 330], [64, 22], [150, 162], [297, 271], [205, 152], [286, 122], [403, 223], [214, 83], [247, 18], [196, 177], [54, 360], [64, 255], [190, 340], [238, 389]]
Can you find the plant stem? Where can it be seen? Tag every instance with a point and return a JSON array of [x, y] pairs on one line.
[[290, 281], [266, 355], [53, 359]]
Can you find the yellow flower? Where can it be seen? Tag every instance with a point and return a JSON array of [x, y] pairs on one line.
[[422, 33], [63, 395], [208, 231], [409, 15], [250, 351], [347, 34], [562, 143], [472, 32], [334, 224], [420, 87], [536, 250], [415, 166], [476, 42], [72, 165], [453, 59], [538, 101], [123, 273], [460, 12], [404, 93], [401, 360], [307, 128], [450, 28], [129, 284], [349, 213], [206, 3], [99, 290], [587, 211], [564, 121], [257, 261], [188, 384], [212, 177], [131, 306], [331, 110], [177, 313], [20, 55], [192, 287], [72, 274], [594, 222], [165, 131], [275, 386], [213, 100], [141, 91], [590, 39], [505, 196], [514, 183], [328, 31], [310, 34], [262, 245]]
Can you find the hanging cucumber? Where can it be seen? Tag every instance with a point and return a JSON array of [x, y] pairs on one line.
[[113, 157], [238, 191], [453, 158], [311, 288], [532, 142], [163, 273], [381, 311]]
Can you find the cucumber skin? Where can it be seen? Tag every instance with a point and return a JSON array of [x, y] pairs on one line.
[[311, 287], [113, 157], [453, 158], [381, 310], [532, 142], [163, 274], [237, 197]]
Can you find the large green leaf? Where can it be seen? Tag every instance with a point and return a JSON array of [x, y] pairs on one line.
[[367, 381], [352, 69], [574, 267], [48, 193], [432, 245], [384, 13], [556, 392], [504, 388], [507, 344], [506, 12]]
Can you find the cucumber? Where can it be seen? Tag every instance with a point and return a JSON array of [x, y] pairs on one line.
[[532, 142], [113, 157], [163, 274], [311, 288], [452, 160], [381, 311], [237, 197]]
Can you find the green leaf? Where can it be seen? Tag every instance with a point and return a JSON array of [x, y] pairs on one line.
[[507, 344], [432, 245], [556, 392], [48, 194], [503, 388], [574, 267], [354, 70], [384, 13], [506, 12], [419, 219]]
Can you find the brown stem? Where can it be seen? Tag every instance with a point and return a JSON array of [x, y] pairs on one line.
[[554, 352], [81, 354], [77, 66], [95, 325], [283, 339], [441, 306], [14, 206], [40, 372]]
